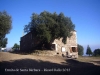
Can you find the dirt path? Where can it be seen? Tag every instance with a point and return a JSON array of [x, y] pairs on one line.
[[6, 56], [17, 64]]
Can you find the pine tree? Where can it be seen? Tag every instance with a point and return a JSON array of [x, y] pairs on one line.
[[89, 52], [16, 46], [80, 50]]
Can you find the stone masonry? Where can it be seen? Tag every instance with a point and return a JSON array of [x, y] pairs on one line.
[[69, 49], [28, 42]]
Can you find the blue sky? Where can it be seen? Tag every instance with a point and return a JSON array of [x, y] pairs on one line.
[[85, 14]]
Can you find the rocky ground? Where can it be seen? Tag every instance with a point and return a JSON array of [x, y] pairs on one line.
[[27, 64]]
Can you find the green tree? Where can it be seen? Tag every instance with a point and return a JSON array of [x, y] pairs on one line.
[[96, 52], [50, 26], [5, 27], [80, 50], [89, 52], [3, 42], [16, 47]]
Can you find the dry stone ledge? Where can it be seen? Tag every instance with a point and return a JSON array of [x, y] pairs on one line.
[[45, 52]]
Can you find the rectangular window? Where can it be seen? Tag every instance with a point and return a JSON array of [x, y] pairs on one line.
[[73, 49], [53, 47]]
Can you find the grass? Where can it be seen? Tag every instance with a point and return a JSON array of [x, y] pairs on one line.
[[91, 59]]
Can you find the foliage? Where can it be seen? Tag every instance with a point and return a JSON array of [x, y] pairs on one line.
[[50, 26], [5, 27], [16, 46], [96, 52], [89, 52], [5, 24], [3, 42], [80, 50]]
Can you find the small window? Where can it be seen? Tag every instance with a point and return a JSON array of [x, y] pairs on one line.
[[53, 47], [73, 49], [57, 53]]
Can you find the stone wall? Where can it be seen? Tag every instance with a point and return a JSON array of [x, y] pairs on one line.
[[62, 48], [72, 41], [44, 52], [29, 42]]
